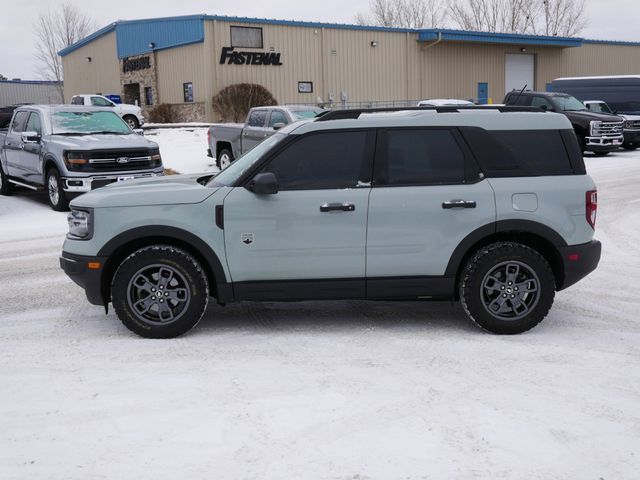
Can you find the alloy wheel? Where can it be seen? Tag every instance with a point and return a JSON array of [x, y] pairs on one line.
[[510, 290]]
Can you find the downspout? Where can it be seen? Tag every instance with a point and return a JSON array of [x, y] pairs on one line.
[[426, 47], [433, 44]]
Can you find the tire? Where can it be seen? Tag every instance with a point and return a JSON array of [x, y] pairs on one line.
[[153, 269], [57, 196], [6, 188], [630, 145], [582, 142], [224, 158], [489, 271], [601, 154], [132, 121]]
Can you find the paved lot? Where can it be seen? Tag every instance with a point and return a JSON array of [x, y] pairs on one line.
[[337, 390]]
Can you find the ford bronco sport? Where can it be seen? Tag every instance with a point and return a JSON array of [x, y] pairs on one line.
[[489, 206]]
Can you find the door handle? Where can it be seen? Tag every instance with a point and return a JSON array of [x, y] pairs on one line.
[[459, 204], [337, 207]]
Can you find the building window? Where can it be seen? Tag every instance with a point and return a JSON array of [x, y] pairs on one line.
[[148, 95], [246, 37], [188, 92], [305, 87]]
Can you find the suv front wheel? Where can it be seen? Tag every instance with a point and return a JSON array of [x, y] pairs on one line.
[[160, 292], [507, 288]]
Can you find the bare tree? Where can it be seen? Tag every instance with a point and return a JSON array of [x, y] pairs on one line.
[[404, 13], [55, 30], [548, 17], [2, 77]]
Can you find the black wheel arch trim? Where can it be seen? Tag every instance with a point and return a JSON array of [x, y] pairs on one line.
[[501, 226], [138, 234]]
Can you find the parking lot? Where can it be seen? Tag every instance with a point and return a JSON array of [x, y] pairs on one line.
[[345, 390]]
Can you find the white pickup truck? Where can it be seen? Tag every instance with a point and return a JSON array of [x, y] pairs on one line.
[[132, 114]]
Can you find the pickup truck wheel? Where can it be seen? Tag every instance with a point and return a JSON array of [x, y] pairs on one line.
[[57, 196], [601, 154], [582, 142], [225, 158], [6, 188], [131, 121], [507, 288], [160, 292], [630, 145]]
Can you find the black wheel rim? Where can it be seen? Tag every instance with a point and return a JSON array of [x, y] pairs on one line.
[[510, 290], [158, 294]]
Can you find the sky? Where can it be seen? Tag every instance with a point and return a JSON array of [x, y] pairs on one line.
[[608, 19]]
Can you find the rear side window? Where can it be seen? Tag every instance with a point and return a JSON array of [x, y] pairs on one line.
[[19, 122], [521, 153], [77, 101], [321, 161], [519, 100], [420, 156], [257, 118]]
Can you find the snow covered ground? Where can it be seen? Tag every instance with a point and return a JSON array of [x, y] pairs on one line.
[[334, 390], [183, 149]]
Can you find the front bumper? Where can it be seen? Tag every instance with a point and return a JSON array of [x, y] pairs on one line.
[[77, 269], [604, 144], [86, 184], [579, 261]]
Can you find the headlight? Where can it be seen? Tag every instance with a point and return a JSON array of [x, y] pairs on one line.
[[628, 124], [80, 224], [155, 156], [595, 127]]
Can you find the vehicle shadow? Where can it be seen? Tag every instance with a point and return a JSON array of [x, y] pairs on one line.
[[335, 316]]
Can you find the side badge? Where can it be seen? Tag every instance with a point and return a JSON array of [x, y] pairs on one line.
[[246, 238]]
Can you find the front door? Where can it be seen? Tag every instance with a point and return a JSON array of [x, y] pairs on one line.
[[256, 130], [427, 197], [31, 150], [309, 239]]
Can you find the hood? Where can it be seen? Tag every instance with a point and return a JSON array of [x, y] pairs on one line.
[[103, 142], [588, 116], [127, 107], [168, 190]]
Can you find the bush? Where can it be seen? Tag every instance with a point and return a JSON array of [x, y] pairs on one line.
[[233, 103], [161, 114]]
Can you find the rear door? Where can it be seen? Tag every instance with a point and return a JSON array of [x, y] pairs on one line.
[[428, 195], [13, 145], [255, 130]]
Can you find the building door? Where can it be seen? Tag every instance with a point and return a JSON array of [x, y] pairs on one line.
[[132, 93], [519, 71], [483, 93]]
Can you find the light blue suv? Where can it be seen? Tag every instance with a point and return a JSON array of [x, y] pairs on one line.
[[489, 206]]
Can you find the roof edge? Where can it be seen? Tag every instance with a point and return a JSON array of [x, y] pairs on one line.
[[88, 39]]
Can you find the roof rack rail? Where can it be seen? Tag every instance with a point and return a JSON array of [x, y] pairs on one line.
[[354, 114]]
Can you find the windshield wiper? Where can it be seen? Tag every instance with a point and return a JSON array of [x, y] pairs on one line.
[[69, 133], [107, 132]]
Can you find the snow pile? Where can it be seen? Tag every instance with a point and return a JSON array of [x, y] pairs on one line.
[[183, 149]]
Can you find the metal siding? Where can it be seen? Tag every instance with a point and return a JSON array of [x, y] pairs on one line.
[[180, 65], [102, 74], [12, 93], [134, 37]]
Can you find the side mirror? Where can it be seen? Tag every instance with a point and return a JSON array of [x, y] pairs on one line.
[[264, 184], [278, 126], [544, 108], [30, 137]]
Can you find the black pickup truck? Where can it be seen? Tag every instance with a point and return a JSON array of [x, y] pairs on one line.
[[599, 133]]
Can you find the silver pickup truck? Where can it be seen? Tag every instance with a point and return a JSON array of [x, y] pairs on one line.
[[227, 141], [69, 150]]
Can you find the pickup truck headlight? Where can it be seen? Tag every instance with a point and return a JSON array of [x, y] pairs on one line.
[[80, 224], [155, 156], [628, 124], [595, 127]]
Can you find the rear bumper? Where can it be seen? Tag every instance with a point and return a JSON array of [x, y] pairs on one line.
[[77, 269], [579, 261]]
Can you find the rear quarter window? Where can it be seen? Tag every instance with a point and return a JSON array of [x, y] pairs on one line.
[[514, 153]]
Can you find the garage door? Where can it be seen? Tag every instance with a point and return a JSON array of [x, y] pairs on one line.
[[519, 71]]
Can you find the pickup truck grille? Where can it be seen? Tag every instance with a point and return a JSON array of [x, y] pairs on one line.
[[607, 129], [119, 161]]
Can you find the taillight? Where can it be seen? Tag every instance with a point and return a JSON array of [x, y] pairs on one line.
[[592, 207]]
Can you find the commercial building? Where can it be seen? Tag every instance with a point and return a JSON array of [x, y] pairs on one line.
[[185, 61], [17, 91]]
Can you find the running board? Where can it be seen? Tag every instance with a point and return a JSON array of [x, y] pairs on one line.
[[20, 184]]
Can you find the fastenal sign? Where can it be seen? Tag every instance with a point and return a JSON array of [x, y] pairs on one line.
[[230, 57]]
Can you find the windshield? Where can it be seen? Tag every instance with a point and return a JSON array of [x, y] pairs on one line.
[[233, 172], [87, 123], [567, 103], [306, 114]]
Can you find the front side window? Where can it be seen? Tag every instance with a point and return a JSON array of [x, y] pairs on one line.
[[328, 160], [88, 122], [541, 102], [277, 117], [257, 118], [100, 102], [19, 122], [34, 124], [420, 156]]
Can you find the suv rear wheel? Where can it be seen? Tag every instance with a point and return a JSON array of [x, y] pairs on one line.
[[507, 288], [160, 292]]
